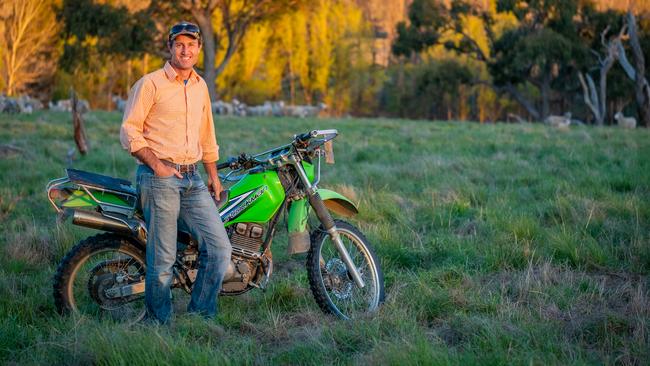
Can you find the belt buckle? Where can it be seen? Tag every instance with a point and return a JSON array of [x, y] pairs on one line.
[[187, 168]]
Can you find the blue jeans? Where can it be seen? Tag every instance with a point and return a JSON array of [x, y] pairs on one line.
[[166, 203]]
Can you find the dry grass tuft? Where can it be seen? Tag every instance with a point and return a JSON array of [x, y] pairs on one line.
[[601, 309], [32, 247]]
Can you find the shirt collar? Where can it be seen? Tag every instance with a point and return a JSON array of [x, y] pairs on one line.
[[173, 75]]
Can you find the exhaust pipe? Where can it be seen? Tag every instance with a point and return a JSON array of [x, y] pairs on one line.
[[95, 220]]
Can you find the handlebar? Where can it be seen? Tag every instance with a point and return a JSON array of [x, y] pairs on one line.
[[233, 162], [299, 141]]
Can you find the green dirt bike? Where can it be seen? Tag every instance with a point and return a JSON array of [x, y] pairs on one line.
[[104, 274]]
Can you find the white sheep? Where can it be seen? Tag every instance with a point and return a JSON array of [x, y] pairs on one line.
[[625, 122], [222, 108], [559, 121], [303, 111], [260, 110]]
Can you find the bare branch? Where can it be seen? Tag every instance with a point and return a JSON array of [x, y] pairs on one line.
[[624, 62], [590, 95], [603, 34]]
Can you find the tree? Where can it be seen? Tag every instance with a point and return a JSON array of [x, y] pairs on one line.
[[641, 86], [596, 98], [224, 24], [536, 57], [430, 89], [318, 53], [539, 50], [102, 28], [99, 38], [26, 44]]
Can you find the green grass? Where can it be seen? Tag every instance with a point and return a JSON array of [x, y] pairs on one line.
[[500, 244]]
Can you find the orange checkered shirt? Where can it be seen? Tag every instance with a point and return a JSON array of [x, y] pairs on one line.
[[170, 117]]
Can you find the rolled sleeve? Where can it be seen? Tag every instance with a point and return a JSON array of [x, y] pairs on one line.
[[135, 113], [207, 134]]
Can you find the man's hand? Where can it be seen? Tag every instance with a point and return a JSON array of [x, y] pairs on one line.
[[165, 171], [146, 156], [214, 183], [214, 186]]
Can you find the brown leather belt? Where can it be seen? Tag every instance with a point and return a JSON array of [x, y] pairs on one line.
[[182, 168]]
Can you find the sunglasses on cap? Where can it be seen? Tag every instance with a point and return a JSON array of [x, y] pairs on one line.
[[184, 28]]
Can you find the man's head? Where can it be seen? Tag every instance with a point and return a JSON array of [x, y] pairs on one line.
[[184, 44]]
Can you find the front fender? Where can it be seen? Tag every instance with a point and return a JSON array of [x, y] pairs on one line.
[[299, 212], [338, 203]]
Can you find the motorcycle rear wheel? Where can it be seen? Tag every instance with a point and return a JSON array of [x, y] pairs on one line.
[[97, 264], [333, 288]]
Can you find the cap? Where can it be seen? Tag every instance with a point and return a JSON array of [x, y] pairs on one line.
[[186, 28]]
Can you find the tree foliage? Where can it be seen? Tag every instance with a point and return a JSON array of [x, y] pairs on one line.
[[92, 29], [27, 42], [542, 46]]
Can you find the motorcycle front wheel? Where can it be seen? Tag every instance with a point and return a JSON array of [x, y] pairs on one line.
[[90, 273], [331, 284]]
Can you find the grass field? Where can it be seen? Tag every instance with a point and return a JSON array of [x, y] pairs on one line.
[[500, 244]]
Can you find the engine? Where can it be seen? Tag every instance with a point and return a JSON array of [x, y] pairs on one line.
[[247, 263], [246, 240]]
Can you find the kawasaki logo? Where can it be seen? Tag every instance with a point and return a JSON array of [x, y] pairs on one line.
[[240, 203]]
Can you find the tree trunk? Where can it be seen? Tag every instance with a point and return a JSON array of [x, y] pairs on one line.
[[546, 91], [642, 89], [145, 65], [78, 123], [204, 20], [530, 108], [603, 91], [591, 97]]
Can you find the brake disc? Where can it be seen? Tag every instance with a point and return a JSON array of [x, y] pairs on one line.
[[339, 280]]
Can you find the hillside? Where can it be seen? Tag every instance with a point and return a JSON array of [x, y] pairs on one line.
[[500, 244]]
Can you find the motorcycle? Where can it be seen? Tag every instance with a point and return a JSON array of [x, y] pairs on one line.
[[104, 275]]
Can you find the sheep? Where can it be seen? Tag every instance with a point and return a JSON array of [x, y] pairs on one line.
[[302, 111], [625, 122], [8, 105], [277, 108], [65, 105], [260, 110], [239, 108], [120, 104], [559, 121], [222, 108]]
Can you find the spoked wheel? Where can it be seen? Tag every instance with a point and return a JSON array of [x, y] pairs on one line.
[[95, 278], [335, 291]]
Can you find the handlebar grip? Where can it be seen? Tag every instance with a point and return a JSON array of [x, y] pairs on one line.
[[223, 165], [304, 137]]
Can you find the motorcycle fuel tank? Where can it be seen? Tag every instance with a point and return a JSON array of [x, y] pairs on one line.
[[255, 198]]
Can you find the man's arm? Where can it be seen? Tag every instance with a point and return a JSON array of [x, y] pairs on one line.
[[131, 133], [208, 141]]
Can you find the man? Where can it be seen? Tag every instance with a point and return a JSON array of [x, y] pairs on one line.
[[168, 127]]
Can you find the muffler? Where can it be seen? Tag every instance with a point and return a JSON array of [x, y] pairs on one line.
[[95, 220]]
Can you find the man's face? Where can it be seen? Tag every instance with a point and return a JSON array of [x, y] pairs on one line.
[[185, 52]]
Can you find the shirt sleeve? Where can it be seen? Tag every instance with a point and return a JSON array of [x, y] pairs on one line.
[[137, 108], [207, 135]]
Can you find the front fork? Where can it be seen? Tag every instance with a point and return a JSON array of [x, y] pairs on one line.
[[328, 222]]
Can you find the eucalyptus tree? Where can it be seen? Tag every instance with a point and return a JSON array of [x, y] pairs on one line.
[[223, 24], [540, 50]]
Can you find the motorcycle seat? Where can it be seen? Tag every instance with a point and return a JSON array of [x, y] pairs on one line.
[[101, 181]]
